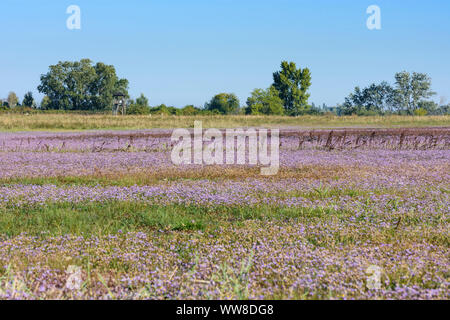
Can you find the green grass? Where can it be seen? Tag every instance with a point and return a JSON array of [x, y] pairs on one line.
[[106, 218], [111, 217]]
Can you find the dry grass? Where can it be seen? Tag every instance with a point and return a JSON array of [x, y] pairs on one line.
[[75, 122], [152, 176]]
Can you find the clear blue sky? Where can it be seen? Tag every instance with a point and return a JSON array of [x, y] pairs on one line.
[[182, 52]]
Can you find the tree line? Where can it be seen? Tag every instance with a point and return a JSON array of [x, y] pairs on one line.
[[85, 86], [409, 96]]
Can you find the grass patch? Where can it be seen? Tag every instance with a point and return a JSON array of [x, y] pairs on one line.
[[213, 173], [111, 217]]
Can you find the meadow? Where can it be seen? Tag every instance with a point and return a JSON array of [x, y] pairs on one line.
[[76, 122], [104, 214]]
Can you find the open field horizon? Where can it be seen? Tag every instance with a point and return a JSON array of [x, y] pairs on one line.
[[77, 122]]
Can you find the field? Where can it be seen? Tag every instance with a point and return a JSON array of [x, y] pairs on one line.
[[77, 122], [106, 215]]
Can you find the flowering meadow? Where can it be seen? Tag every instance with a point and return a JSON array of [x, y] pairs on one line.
[[106, 215]]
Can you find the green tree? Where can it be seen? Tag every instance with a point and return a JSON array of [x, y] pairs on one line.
[[28, 100], [223, 103], [81, 85], [13, 100], [189, 110], [265, 102], [3, 104], [430, 107], [141, 106], [443, 110], [45, 103], [375, 99], [142, 101], [164, 110], [411, 89], [292, 85]]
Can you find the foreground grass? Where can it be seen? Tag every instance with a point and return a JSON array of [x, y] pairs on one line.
[[75, 122], [92, 219], [107, 218], [137, 251]]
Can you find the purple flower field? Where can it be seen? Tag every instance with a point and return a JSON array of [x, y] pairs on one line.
[[106, 215]]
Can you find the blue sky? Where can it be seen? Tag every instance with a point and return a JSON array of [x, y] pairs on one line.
[[183, 52]]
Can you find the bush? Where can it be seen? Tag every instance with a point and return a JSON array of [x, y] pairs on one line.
[[164, 110], [189, 110], [19, 110], [224, 103], [265, 102], [138, 109], [420, 112]]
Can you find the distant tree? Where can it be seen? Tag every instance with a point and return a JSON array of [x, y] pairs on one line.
[[314, 109], [142, 101], [189, 110], [13, 100], [163, 110], [412, 89], [430, 107], [265, 102], [45, 103], [81, 85], [223, 103], [443, 110], [374, 99], [292, 85], [140, 106], [28, 100]]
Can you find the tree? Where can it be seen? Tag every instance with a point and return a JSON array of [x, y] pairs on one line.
[[430, 107], [265, 102], [163, 110], [12, 99], [142, 101], [411, 89], [28, 100], [45, 103], [443, 110], [81, 85], [189, 110], [223, 103], [292, 85], [375, 99], [141, 106]]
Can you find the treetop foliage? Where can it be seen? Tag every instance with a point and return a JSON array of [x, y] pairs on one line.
[[409, 96], [223, 103], [292, 85], [81, 85]]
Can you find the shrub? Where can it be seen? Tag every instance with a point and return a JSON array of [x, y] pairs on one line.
[[138, 109], [420, 112]]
